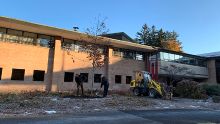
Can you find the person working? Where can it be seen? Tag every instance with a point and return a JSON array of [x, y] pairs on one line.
[[79, 82], [104, 82]]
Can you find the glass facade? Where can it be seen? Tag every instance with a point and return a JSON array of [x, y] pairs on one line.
[[76, 46], [22, 37], [178, 58]]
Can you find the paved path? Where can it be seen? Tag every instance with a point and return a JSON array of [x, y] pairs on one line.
[[126, 117]]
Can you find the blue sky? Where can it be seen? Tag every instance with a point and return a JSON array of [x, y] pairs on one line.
[[196, 21]]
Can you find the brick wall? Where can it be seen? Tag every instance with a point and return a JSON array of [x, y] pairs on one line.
[[124, 67], [32, 58], [22, 56]]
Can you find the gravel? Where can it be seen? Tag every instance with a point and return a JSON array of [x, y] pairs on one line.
[[45, 105]]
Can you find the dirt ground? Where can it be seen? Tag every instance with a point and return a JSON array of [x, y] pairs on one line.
[[52, 104]]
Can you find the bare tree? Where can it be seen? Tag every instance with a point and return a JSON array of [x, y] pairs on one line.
[[172, 72], [93, 49], [95, 54], [175, 70]]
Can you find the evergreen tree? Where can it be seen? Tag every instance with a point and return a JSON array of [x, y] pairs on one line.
[[158, 38]]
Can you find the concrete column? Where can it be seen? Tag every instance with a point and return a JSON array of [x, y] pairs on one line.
[[211, 72], [106, 62], [58, 65], [51, 59]]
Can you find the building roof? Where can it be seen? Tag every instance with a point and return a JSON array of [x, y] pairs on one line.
[[119, 36], [54, 31], [211, 55]]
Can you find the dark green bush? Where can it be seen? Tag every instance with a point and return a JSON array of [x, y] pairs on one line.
[[212, 90], [216, 99], [190, 89]]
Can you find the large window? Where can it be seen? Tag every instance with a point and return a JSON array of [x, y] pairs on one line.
[[76, 46], [181, 59], [139, 56], [17, 74], [97, 78], [128, 54], [117, 52], [2, 30], [166, 57], [118, 79], [38, 75], [0, 73], [44, 40], [68, 76], [23, 37]]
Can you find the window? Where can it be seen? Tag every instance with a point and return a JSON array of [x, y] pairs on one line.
[[118, 79], [68, 76], [128, 54], [0, 73], [14, 32], [17, 74], [68, 44], [185, 60], [38, 75], [166, 57], [2, 30], [84, 77], [177, 57], [202, 63], [128, 79], [97, 78], [139, 56], [74, 45], [117, 52], [44, 40], [30, 38], [172, 57], [192, 61], [28, 34], [161, 56]]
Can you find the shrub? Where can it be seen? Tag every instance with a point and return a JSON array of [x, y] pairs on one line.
[[190, 89], [212, 90], [216, 99]]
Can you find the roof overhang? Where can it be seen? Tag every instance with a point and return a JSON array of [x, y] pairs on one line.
[[54, 31]]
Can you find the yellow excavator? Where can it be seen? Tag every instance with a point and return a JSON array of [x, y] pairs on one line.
[[145, 85]]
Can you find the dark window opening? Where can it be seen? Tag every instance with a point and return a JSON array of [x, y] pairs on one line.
[[118, 79], [128, 79], [97, 78], [68, 76], [0, 73], [84, 77], [17, 74], [38, 75]]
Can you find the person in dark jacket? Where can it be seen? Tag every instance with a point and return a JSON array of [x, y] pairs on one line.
[[104, 82], [79, 83]]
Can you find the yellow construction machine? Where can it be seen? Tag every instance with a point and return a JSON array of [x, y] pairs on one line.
[[145, 85]]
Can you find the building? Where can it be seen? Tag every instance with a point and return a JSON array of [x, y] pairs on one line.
[[33, 57], [161, 63], [213, 60]]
